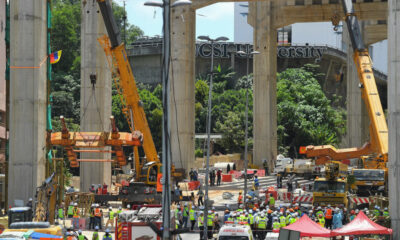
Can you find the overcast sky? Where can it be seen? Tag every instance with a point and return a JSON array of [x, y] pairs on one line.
[[215, 20]]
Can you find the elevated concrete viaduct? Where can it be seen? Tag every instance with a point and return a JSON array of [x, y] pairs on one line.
[[265, 17]]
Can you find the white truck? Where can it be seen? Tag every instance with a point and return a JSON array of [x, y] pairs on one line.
[[281, 163], [235, 232]]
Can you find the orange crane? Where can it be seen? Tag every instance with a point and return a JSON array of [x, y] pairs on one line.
[[375, 152], [132, 105]]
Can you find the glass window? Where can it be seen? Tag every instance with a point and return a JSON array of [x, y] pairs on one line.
[[329, 187], [18, 217], [369, 174]]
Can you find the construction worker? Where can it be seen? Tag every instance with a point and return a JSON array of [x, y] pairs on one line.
[[271, 201], [185, 215], [95, 235], [251, 219], [178, 215], [240, 198], [328, 217], [92, 220], [246, 218], [292, 218], [75, 221], [230, 218], [60, 213], [81, 236], [70, 212], [319, 211], [282, 220], [111, 215], [261, 226], [70, 234], [377, 211], [321, 220], [256, 183], [210, 221], [119, 210], [386, 213], [97, 216], [107, 236], [216, 222], [287, 217], [352, 215], [337, 219], [192, 217], [200, 224], [276, 225]]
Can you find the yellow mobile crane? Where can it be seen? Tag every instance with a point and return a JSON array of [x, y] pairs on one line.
[[374, 154], [133, 106]]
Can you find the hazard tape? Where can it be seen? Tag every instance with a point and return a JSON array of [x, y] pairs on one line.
[[119, 231], [360, 200], [302, 199]]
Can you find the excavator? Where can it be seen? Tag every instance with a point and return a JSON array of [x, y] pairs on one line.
[[373, 155]]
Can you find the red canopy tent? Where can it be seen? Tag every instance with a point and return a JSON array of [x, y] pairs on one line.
[[308, 228], [361, 225]]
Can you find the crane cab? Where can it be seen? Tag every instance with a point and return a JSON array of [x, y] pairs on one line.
[[149, 171]]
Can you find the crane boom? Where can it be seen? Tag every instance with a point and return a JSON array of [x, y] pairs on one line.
[[134, 111], [378, 127]]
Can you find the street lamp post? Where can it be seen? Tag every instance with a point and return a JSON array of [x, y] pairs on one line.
[[166, 148], [248, 55], [212, 41]]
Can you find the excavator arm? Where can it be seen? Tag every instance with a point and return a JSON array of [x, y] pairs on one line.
[[378, 144]]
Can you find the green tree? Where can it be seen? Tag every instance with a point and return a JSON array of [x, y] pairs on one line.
[[152, 106], [66, 34], [233, 132], [305, 114], [132, 32]]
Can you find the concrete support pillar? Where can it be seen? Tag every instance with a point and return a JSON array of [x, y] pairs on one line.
[[95, 104], [28, 90], [264, 108], [394, 114], [357, 115], [182, 80]]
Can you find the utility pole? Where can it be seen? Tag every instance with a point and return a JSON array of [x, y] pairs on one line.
[[248, 55], [212, 41]]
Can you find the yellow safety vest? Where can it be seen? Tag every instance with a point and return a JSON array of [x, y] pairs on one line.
[[60, 213], [76, 212], [251, 218], [70, 210], [210, 220], [276, 225], [200, 221], [282, 219], [185, 211], [111, 215], [191, 215], [271, 201], [321, 221], [262, 223]]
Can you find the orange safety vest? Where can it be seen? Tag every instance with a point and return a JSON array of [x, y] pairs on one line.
[[97, 212], [328, 214], [240, 199]]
